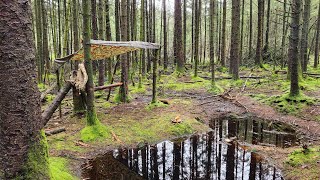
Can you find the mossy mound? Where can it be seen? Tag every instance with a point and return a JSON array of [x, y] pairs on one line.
[[290, 104], [157, 104], [59, 169], [95, 132]]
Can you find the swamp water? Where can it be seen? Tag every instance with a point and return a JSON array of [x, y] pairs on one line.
[[202, 156]]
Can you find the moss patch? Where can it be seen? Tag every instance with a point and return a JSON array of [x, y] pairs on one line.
[[157, 104], [289, 104], [95, 132], [303, 164], [155, 129], [37, 166], [59, 169]]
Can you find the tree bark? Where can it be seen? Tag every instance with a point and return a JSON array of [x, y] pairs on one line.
[[304, 36], [165, 34], [223, 39], [293, 53], [235, 37], [258, 59], [178, 36], [124, 58], [101, 62], [316, 54], [23, 149], [91, 113], [212, 7], [78, 100]]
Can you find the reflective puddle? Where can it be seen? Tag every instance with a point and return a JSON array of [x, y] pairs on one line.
[[214, 155]]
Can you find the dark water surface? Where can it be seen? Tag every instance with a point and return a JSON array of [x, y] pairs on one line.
[[202, 156]]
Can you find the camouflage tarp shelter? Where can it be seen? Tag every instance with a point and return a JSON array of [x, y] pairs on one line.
[[106, 49]]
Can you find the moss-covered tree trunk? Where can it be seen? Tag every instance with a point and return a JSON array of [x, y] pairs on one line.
[[23, 149], [250, 28], [142, 64], [293, 52], [91, 113]]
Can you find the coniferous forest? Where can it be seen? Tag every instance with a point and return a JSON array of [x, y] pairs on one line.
[[159, 89]]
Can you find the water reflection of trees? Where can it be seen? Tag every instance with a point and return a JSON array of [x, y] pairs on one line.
[[203, 156]]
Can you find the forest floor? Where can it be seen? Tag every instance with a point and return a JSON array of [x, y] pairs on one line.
[[194, 102]]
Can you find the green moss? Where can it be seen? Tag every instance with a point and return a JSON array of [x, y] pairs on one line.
[[216, 89], [37, 166], [157, 104], [181, 128], [61, 142], [50, 98], [154, 129], [300, 157], [95, 132], [138, 90], [290, 104], [59, 169], [41, 87]]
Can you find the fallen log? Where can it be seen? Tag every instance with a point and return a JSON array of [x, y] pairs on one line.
[[98, 88], [44, 94], [46, 115], [55, 131]]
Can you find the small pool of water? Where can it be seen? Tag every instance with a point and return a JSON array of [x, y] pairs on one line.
[[214, 155]]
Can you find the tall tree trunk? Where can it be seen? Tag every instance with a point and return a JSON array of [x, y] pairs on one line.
[[242, 33], [39, 31], [185, 30], [91, 112], [223, 39], [235, 37], [266, 46], [178, 36], [196, 37], [142, 63], [304, 36], [316, 54], [23, 147], [108, 38], [124, 58], [211, 34], [101, 37], [165, 34], [293, 53], [94, 27], [46, 58], [78, 99], [284, 34], [250, 29], [258, 59]]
